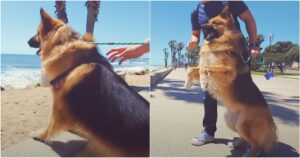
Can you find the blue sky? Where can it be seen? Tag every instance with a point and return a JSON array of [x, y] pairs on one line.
[[118, 22], [130, 22], [171, 20]]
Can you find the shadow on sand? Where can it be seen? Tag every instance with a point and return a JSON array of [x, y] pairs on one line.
[[176, 90], [287, 115], [66, 149], [281, 150], [139, 88]]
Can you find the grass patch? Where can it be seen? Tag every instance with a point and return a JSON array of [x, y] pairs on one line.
[[289, 77], [287, 74], [276, 73], [258, 73]]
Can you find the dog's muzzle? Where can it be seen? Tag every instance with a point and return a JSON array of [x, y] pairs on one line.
[[209, 30], [34, 44]]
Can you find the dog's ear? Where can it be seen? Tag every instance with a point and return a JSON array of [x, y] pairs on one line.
[[225, 13], [47, 20]]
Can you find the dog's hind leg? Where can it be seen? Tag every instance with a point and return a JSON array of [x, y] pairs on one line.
[[245, 130], [237, 143], [230, 119]]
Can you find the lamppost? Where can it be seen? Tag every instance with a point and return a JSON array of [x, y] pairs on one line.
[[271, 38]]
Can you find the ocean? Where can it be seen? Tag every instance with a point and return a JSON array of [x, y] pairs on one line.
[[19, 71]]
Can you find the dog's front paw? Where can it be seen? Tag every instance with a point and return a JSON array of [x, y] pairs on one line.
[[188, 85], [204, 86], [39, 135]]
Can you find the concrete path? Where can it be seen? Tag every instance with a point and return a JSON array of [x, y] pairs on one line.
[[176, 117]]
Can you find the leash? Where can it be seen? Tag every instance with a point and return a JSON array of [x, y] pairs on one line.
[[119, 43], [248, 60]]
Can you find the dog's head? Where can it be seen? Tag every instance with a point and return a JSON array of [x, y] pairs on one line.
[[217, 25], [50, 32]]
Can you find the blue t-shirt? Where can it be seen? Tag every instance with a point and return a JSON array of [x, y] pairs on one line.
[[208, 10]]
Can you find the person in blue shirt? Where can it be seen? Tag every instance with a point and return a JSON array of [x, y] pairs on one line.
[[205, 11]]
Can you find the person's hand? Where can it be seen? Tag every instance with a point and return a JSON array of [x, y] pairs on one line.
[[193, 42], [255, 51], [125, 53]]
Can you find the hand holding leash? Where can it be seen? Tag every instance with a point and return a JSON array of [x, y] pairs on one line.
[[254, 49], [125, 53], [193, 42]]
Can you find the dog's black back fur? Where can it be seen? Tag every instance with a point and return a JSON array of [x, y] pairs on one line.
[[110, 108], [245, 91]]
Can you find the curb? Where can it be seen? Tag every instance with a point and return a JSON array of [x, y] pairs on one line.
[[159, 75]]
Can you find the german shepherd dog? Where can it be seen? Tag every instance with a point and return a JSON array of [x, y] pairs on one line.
[[89, 97], [224, 74]]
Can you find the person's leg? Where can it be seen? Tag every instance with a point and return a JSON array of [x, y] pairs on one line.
[[209, 121], [210, 114]]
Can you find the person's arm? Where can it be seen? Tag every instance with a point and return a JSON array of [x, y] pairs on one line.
[[128, 52], [250, 23], [194, 41]]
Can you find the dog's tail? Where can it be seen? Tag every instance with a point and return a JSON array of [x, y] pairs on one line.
[[88, 37], [271, 137]]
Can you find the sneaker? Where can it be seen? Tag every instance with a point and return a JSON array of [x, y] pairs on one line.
[[203, 138]]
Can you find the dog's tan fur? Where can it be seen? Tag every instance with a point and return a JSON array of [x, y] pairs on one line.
[[224, 75], [193, 74], [61, 50]]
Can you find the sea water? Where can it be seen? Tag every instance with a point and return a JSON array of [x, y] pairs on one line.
[[19, 71]]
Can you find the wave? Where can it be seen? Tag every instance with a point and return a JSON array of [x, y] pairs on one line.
[[21, 76]]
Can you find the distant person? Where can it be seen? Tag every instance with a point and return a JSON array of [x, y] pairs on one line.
[[200, 16], [185, 66], [128, 52]]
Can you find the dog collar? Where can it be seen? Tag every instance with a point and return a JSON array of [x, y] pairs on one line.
[[57, 82]]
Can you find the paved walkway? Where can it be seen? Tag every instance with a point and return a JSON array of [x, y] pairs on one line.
[[176, 117]]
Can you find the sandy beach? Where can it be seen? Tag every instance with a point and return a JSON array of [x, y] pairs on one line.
[[26, 110]]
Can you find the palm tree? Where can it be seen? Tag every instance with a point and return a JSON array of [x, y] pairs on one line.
[[193, 56], [92, 15], [187, 56], [180, 46], [166, 56], [60, 11], [173, 46]]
